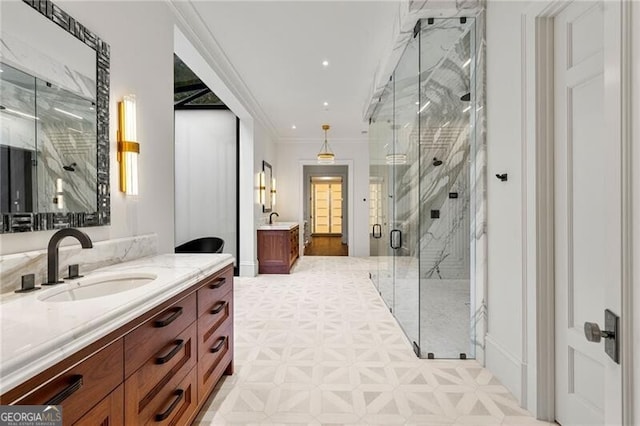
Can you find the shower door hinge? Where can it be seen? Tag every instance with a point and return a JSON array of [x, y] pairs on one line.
[[391, 310], [416, 28]]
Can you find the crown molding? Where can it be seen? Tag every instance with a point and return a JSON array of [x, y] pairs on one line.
[[192, 25]]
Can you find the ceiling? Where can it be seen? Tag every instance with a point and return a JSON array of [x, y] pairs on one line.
[[277, 48]]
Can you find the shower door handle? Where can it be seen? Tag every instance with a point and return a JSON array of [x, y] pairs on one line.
[[379, 233], [395, 239]]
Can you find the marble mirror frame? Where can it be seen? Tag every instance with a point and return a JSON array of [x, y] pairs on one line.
[[24, 222]]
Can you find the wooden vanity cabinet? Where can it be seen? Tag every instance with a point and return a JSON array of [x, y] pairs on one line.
[[160, 368], [108, 412], [215, 332], [278, 250], [158, 356], [82, 385]]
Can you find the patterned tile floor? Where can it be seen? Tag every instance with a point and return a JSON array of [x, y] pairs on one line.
[[320, 347]]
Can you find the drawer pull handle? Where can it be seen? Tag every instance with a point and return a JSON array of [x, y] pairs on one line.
[[164, 359], [218, 282], [179, 393], [218, 307], [168, 320], [219, 345], [76, 383]]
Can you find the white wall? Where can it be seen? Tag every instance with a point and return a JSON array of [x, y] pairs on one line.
[[142, 64], [288, 172], [504, 340], [205, 157]]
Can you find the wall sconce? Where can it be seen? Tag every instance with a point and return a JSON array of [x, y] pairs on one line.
[[273, 192], [263, 189], [59, 198], [128, 148]]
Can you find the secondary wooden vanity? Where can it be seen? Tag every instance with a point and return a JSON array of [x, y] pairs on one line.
[[278, 247], [159, 367]]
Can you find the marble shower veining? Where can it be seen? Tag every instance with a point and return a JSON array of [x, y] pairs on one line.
[[103, 253]]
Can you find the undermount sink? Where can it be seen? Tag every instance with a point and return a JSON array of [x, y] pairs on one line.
[[91, 287]]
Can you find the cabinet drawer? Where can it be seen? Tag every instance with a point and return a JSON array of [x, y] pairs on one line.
[[215, 359], [108, 412], [214, 289], [153, 336], [174, 404], [176, 354], [213, 319], [82, 386]]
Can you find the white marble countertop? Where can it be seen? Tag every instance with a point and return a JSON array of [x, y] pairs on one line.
[[35, 335], [278, 226]]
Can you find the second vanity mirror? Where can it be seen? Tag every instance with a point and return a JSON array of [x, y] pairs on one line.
[[266, 190], [54, 120]]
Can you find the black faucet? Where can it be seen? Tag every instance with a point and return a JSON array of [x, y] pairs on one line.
[[52, 251], [271, 217]]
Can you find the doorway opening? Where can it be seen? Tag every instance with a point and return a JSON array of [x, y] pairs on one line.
[[326, 206], [207, 146], [326, 211]]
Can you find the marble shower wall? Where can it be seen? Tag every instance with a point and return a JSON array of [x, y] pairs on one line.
[[103, 253], [451, 248], [479, 194], [446, 135]]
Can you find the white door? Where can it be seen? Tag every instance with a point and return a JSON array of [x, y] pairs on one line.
[[587, 208]]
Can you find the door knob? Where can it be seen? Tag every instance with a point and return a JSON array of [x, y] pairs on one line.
[[612, 338], [593, 333]]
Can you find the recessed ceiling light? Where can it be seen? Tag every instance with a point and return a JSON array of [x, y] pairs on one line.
[[326, 104], [325, 63], [293, 126], [417, 103]]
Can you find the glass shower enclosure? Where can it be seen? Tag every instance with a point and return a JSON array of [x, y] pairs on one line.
[[422, 150]]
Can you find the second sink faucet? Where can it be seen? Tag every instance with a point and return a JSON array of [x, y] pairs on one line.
[[271, 217], [52, 251]]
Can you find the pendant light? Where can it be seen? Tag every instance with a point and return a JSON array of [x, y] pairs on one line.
[[326, 156]]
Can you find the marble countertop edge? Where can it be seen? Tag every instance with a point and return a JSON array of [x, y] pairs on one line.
[[186, 270]]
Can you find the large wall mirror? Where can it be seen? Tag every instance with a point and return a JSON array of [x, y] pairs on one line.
[[54, 120], [267, 176]]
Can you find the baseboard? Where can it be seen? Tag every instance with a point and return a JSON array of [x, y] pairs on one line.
[[506, 367], [248, 268]]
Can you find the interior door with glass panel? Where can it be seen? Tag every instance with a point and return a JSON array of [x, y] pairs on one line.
[[320, 208], [327, 205]]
